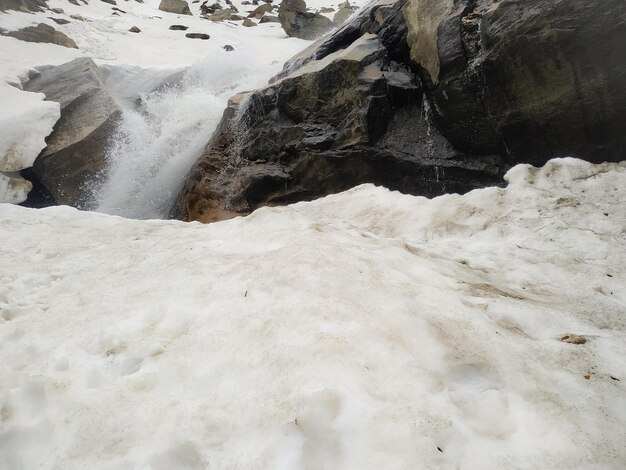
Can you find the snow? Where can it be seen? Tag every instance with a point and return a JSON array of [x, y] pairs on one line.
[[24, 122], [364, 330]]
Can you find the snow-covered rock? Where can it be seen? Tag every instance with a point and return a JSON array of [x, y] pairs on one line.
[[365, 330]]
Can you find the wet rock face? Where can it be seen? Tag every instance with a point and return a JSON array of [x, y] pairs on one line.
[[75, 153], [350, 117], [530, 80], [422, 96]]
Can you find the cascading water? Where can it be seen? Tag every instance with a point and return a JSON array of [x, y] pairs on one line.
[[162, 133]]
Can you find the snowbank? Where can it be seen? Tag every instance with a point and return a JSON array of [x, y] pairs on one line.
[[366, 330], [25, 121]]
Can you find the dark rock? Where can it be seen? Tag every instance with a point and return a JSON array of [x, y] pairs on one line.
[[179, 7], [134, 29], [110, 2], [381, 17], [76, 148], [425, 97], [209, 10], [248, 23], [118, 9], [197, 36], [228, 48], [349, 118], [59, 20], [26, 6], [178, 27], [297, 22], [42, 33], [58, 11], [530, 81]]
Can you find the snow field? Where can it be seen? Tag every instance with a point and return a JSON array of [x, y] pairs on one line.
[[365, 330]]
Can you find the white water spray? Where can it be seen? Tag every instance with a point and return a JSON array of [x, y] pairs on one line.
[[159, 139]]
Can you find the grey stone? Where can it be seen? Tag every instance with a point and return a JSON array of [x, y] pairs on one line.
[[43, 33], [76, 148], [179, 7]]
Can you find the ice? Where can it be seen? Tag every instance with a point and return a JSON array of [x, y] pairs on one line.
[[364, 330]]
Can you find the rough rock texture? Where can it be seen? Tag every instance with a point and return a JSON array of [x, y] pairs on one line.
[[179, 7], [269, 19], [299, 23], [353, 116], [425, 97], [25, 6], [42, 33], [528, 79], [76, 148]]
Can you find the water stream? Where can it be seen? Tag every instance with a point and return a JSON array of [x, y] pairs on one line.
[[168, 118]]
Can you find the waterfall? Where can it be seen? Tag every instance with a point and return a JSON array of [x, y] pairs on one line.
[[164, 130]]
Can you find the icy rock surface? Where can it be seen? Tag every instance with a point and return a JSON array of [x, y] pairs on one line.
[[365, 330]]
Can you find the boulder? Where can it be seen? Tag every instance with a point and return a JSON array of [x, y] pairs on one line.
[[134, 29], [248, 23], [351, 117], [58, 11], [26, 6], [179, 7], [197, 36], [42, 33], [381, 17], [178, 27], [59, 20], [210, 9], [269, 19], [76, 148], [260, 11], [110, 2], [228, 48], [297, 22], [422, 96], [222, 15], [530, 80]]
